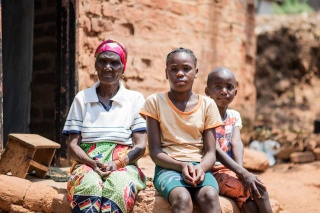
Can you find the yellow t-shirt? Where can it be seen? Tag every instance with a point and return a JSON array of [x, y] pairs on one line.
[[181, 132]]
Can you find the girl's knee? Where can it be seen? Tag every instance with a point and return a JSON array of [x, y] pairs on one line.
[[180, 198], [209, 194], [208, 200]]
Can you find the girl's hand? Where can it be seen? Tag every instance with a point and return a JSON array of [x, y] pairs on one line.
[[188, 173], [199, 174]]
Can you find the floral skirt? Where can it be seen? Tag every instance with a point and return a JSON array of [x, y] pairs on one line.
[[88, 192]]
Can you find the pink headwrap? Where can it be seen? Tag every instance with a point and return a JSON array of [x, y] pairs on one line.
[[114, 46]]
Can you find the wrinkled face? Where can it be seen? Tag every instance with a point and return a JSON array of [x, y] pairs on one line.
[[222, 88], [109, 67], [181, 71]]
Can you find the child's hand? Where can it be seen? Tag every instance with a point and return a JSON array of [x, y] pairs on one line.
[[251, 182], [198, 174], [188, 173]]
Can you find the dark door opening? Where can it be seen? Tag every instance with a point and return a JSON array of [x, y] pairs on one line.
[[39, 76]]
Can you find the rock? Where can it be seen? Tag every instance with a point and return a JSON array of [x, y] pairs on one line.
[[255, 160], [152, 201], [12, 193], [285, 152], [316, 153], [302, 157], [39, 197], [18, 209], [60, 204], [27, 197], [275, 205]]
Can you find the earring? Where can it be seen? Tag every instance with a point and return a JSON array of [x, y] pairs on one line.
[[195, 76], [95, 72], [123, 76]]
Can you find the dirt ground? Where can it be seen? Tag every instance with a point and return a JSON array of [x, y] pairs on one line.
[[295, 186]]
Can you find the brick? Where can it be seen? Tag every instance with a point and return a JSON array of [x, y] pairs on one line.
[[302, 157]]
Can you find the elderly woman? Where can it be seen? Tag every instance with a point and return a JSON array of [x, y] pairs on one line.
[[106, 138]]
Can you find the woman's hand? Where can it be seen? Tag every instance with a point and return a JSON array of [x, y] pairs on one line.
[[250, 182], [105, 169]]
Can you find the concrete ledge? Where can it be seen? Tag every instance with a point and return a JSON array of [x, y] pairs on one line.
[[23, 196]]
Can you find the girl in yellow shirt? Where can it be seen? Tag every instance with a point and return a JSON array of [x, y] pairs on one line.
[[181, 136]]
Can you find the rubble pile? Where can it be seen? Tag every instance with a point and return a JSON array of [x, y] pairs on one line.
[[288, 81]]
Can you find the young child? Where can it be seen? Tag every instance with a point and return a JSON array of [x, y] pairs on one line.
[[238, 184], [181, 127]]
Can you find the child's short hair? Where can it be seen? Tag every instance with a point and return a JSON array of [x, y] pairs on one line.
[[215, 70], [185, 50]]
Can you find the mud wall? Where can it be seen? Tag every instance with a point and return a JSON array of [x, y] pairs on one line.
[[220, 32]]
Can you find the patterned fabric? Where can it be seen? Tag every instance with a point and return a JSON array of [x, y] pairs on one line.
[[88, 192], [113, 46], [182, 132], [224, 133], [88, 117], [165, 180]]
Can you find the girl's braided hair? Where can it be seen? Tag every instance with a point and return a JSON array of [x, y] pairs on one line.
[[185, 50]]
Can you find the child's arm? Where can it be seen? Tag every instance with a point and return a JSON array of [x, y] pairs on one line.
[[250, 181], [237, 146], [159, 157], [209, 156]]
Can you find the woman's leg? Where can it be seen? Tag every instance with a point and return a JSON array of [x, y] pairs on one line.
[[207, 199], [84, 190], [120, 189], [180, 200]]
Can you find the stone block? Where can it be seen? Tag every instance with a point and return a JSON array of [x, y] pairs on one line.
[[39, 197], [12, 193], [152, 201], [60, 204], [302, 157]]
